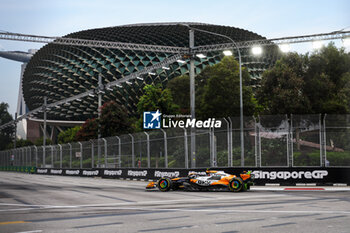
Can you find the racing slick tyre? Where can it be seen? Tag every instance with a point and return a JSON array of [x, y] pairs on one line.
[[164, 184], [236, 184]]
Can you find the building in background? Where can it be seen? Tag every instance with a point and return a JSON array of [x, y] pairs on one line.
[[60, 71]]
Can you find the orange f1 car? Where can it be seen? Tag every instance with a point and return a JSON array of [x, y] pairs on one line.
[[213, 180]]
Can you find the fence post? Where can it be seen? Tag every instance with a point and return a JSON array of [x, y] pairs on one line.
[[81, 155], [186, 147], [51, 156], [326, 164], [25, 161], [259, 142], [255, 142], [291, 142], [105, 147], [92, 154], [321, 139], [44, 158], [132, 150], [165, 148], [230, 137], [36, 156], [119, 152], [287, 139], [211, 147], [60, 146], [18, 156], [228, 141], [148, 151], [30, 156], [70, 155]]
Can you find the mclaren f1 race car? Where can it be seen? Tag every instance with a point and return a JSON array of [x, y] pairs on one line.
[[213, 180]]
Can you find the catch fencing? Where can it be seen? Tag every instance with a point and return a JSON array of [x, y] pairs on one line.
[[269, 141]]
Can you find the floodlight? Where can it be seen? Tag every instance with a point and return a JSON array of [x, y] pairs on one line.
[[181, 61], [346, 42], [285, 48], [127, 82], [257, 50], [317, 44], [201, 55], [228, 53], [151, 73], [165, 68], [139, 78]]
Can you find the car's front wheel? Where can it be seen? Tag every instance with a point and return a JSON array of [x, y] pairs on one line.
[[164, 184], [236, 184]]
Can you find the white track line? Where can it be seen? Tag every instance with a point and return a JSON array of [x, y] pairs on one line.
[[115, 204]]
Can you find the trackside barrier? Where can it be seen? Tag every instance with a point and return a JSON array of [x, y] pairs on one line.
[[280, 175]]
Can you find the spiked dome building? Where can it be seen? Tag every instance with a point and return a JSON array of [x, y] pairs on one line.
[[61, 71]]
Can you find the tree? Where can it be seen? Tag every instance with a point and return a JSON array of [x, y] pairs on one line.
[[217, 91], [327, 80], [6, 135], [283, 87], [40, 141], [180, 90], [88, 130], [220, 96], [68, 135], [114, 120], [308, 84], [155, 98], [20, 143]]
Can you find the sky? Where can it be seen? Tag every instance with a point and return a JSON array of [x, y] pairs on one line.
[[269, 18]]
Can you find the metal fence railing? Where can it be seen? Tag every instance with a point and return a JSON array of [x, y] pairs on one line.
[[279, 140]]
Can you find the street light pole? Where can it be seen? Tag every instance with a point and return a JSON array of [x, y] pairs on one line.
[[99, 93], [44, 136], [192, 100], [240, 84], [15, 141]]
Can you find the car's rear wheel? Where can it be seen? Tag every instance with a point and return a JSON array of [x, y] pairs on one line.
[[164, 184], [236, 184]]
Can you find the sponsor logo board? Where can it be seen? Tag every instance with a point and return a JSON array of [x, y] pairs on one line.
[[166, 174]]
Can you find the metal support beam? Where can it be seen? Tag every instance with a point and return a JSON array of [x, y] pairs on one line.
[[90, 43]]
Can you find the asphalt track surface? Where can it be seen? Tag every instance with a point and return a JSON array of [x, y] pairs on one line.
[[43, 203]]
